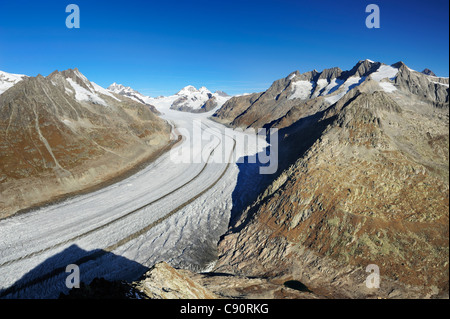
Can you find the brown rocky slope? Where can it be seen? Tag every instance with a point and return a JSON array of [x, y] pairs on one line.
[[62, 133]]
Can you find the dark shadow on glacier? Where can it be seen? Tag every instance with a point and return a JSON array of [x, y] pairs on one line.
[[48, 279], [293, 142]]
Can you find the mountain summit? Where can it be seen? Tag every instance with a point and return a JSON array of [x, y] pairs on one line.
[[201, 100], [129, 92]]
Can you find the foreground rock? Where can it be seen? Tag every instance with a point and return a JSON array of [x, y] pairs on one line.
[[164, 282]]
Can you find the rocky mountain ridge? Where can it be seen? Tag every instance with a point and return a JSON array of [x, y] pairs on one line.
[[188, 99]]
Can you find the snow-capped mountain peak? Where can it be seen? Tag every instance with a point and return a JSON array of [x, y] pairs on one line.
[[187, 90], [204, 90], [121, 89], [116, 87], [201, 100], [8, 80], [190, 89], [76, 84], [129, 92]]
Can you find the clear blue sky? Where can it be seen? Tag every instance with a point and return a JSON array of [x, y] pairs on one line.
[[158, 47]]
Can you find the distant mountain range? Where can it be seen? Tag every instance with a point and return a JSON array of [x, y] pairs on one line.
[[188, 99]]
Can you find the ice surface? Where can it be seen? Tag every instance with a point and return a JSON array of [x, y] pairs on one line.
[[384, 72], [301, 90]]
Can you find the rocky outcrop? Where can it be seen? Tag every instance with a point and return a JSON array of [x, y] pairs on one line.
[[129, 92], [166, 282], [362, 69], [427, 71]]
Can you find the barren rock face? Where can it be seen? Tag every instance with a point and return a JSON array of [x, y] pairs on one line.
[[62, 133], [371, 189], [424, 86]]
